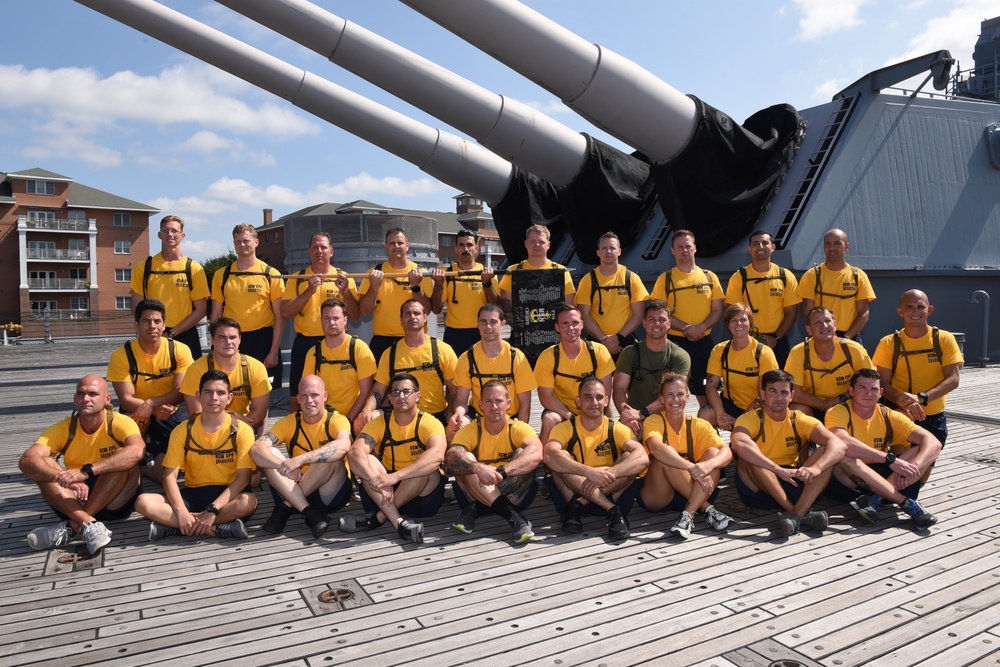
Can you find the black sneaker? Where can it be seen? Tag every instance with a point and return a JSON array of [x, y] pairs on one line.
[[411, 531], [921, 518], [231, 530], [617, 524], [359, 523], [865, 508], [572, 517], [788, 523], [466, 519], [157, 531], [816, 520], [521, 527], [279, 517], [317, 521]]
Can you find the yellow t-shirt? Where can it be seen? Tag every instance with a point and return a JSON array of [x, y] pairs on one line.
[[464, 296], [741, 370], [689, 295], [918, 368], [474, 369], [309, 321], [301, 437], [392, 294], [777, 441], [611, 300], [418, 362], [838, 291], [405, 443], [766, 293], [494, 450], [872, 431], [505, 282], [168, 283], [703, 435], [254, 384], [248, 295], [826, 379], [210, 458], [567, 377], [339, 375], [155, 373], [86, 447], [593, 448]]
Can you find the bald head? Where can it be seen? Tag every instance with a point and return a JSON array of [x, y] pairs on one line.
[[312, 397], [913, 295], [91, 395], [101, 383], [312, 383]]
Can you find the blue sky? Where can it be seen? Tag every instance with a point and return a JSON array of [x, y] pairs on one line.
[[87, 97]]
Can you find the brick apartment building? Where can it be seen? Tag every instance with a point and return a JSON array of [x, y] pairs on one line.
[[67, 251]]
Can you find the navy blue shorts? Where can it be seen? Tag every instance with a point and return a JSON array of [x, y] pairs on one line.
[[760, 500], [421, 506], [699, 351], [676, 504], [300, 348], [836, 490], [624, 502], [464, 500], [123, 512], [461, 339], [315, 500], [257, 344]]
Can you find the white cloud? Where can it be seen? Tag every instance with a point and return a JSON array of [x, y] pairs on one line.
[[208, 143], [824, 17], [825, 91], [364, 186], [956, 31]]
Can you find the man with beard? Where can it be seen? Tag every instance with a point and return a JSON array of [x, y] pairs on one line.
[[463, 295]]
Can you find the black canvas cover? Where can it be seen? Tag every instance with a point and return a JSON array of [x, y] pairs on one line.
[[529, 200], [719, 184]]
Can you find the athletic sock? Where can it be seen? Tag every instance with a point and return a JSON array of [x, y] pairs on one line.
[[502, 507]]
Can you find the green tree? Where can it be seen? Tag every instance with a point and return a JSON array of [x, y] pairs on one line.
[[213, 264]]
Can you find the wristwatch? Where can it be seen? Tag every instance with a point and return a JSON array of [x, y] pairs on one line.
[[414, 288], [212, 509], [502, 471], [88, 470], [923, 398], [644, 413], [890, 458]]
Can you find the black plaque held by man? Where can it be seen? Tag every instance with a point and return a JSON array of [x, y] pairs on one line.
[[534, 297]]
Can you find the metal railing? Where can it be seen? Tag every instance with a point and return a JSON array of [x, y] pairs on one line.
[[57, 283], [68, 225], [47, 253], [61, 314]]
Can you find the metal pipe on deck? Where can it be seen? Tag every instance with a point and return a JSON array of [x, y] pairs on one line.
[[449, 158], [509, 128], [611, 91], [985, 358]]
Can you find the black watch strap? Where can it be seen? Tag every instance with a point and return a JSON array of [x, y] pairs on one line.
[[212, 509], [890, 458], [88, 470], [644, 413]]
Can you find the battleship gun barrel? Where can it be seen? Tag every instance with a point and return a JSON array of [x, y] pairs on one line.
[[447, 157], [611, 91], [509, 128]]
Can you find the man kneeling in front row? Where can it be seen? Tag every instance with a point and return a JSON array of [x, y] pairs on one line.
[[494, 459], [775, 469], [397, 458], [312, 479], [101, 450], [213, 450], [886, 453]]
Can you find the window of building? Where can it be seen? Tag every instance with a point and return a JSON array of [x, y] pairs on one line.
[[123, 275], [78, 244], [79, 303], [42, 306], [41, 187], [123, 303], [78, 274], [76, 215], [38, 249], [490, 224], [447, 241], [42, 216], [123, 219], [123, 247]]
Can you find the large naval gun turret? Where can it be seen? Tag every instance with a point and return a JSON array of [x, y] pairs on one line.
[[913, 178]]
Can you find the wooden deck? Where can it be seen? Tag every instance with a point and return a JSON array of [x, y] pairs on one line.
[[857, 595]]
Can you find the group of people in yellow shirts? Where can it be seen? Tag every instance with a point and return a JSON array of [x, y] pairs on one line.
[[397, 414]]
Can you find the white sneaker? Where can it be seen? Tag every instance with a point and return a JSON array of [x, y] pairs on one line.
[[716, 519], [96, 535], [684, 525], [50, 537]]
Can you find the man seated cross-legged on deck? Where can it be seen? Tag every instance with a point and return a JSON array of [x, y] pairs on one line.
[[774, 469], [312, 478], [687, 457], [594, 463], [886, 453], [101, 451], [213, 450], [397, 458], [494, 460]]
